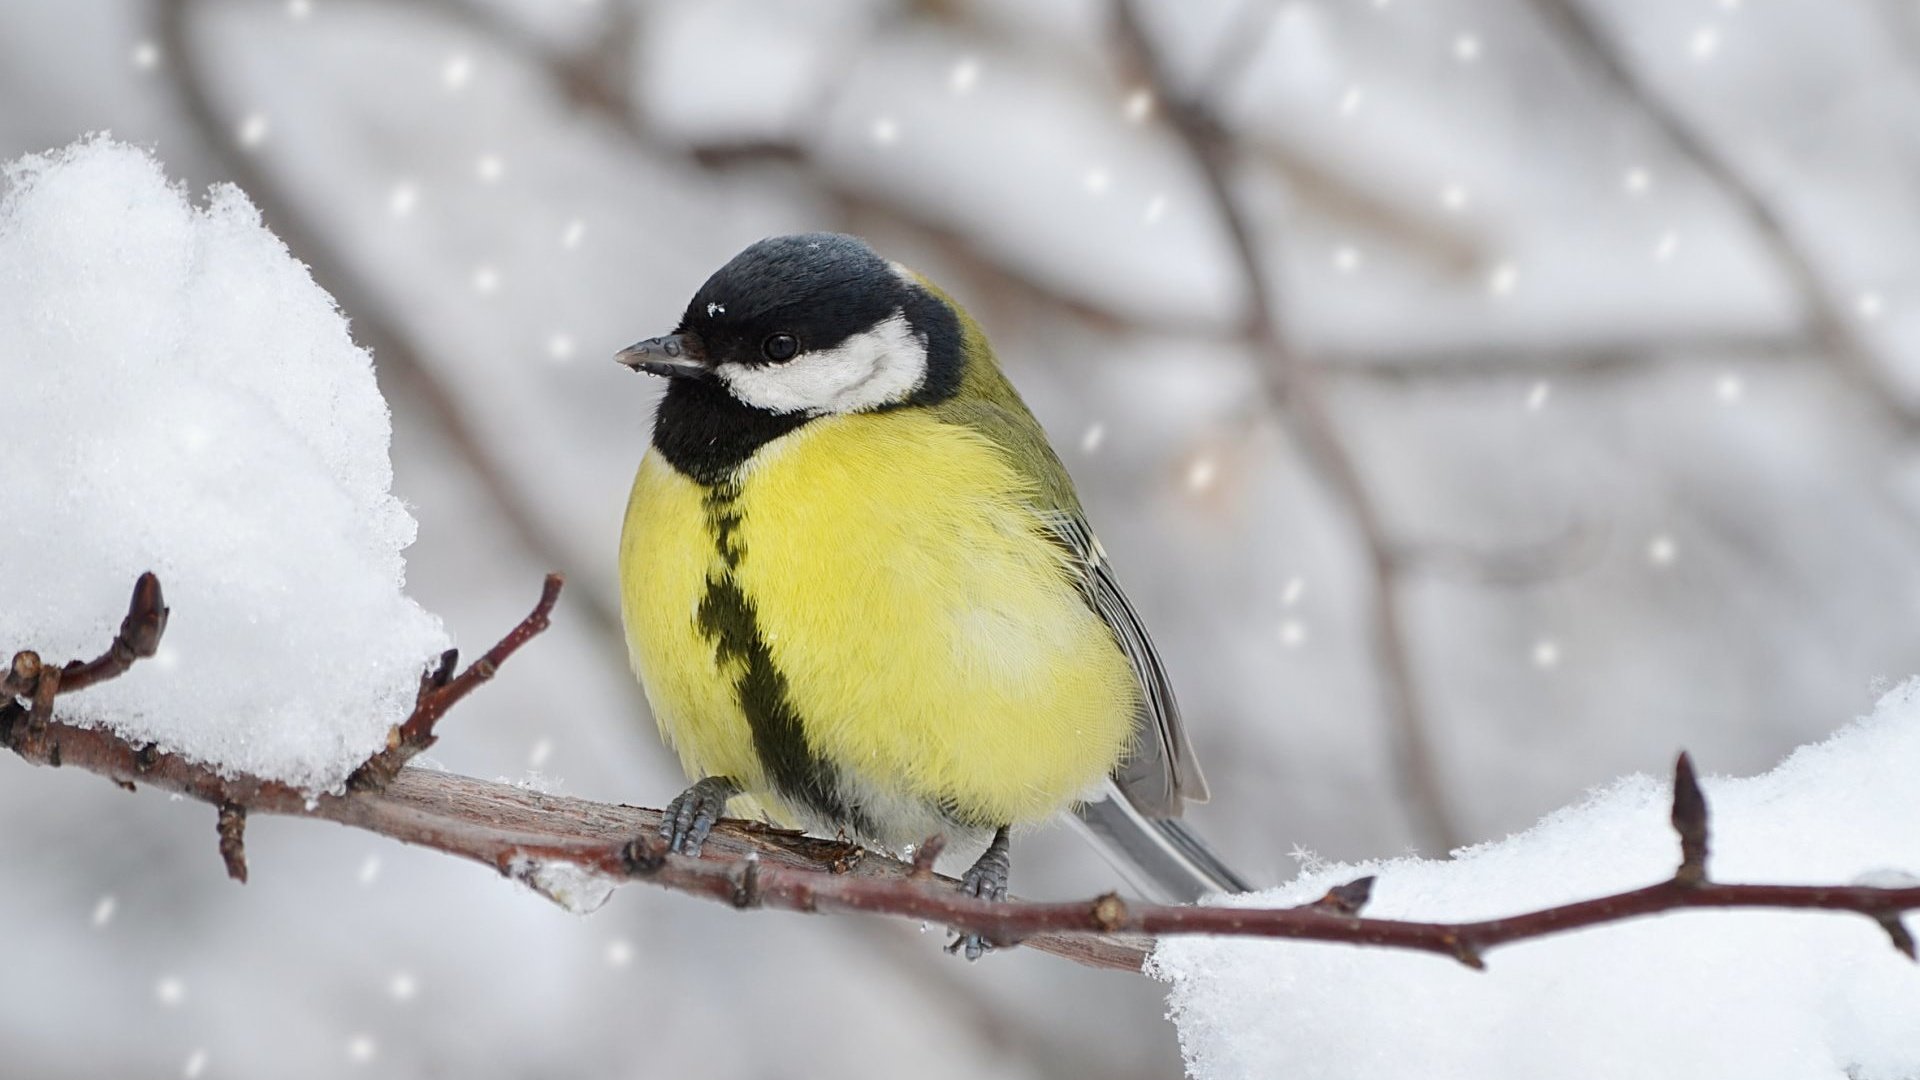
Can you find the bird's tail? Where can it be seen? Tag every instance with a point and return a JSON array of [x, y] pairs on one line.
[[1159, 856]]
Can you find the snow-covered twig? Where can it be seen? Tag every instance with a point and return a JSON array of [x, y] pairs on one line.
[[533, 836]]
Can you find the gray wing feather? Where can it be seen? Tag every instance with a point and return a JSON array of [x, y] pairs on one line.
[[1160, 773], [1159, 856]]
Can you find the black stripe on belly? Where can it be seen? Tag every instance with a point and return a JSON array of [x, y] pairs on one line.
[[727, 618]]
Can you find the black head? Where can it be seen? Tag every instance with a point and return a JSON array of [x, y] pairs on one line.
[[812, 324]]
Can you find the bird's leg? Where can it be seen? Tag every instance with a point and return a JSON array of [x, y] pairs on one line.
[[986, 879], [690, 816]]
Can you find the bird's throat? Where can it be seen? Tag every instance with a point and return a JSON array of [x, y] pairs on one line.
[[706, 433]]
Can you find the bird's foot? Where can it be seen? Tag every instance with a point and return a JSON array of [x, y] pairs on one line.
[[691, 815], [986, 879]]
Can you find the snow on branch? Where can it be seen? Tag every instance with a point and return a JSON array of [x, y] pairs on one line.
[[575, 851]]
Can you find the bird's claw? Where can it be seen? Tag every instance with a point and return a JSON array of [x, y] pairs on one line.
[[692, 814], [986, 879]]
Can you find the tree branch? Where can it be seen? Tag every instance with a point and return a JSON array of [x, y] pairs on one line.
[[523, 833]]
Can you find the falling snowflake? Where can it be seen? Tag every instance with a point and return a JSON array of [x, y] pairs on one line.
[[1466, 48], [1346, 258], [456, 72], [1869, 305], [885, 132], [489, 167], [486, 279], [1661, 550], [1454, 198], [1201, 474], [252, 130], [360, 1049], [1704, 43], [1546, 654], [1637, 181], [1293, 633], [619, 953], [1138, 107], [1537, 395], [965, 73], [1664, 249], [402, 199], [1096, 181], [103, 910], [575, 232], [169, 991], [402, 986], [1156, 209], [1502, 280], [370, 870], [560, 348], [1351, 101], [146, 56]]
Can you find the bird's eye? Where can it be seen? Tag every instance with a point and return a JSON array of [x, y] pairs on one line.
[[780, 347]]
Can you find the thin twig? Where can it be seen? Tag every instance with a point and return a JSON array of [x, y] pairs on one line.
[[232, 829], [1293, 388], [1689, 819], [440, 690]]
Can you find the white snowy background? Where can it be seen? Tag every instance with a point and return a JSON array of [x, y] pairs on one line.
[[1637, 413]]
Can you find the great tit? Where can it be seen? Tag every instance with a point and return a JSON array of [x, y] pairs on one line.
[[860, 592]]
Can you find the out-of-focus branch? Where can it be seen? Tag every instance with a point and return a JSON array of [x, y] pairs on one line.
[[1622, 358], [528, 835], [1573, 549], [1829, 325], [598, 80], [589, 79], [1902, 22], [1239, 46], [1293, 387]]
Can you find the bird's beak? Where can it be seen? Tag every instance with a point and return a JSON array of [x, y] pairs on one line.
[[673, 355]]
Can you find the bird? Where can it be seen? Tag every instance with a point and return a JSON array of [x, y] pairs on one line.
[[862, 596]]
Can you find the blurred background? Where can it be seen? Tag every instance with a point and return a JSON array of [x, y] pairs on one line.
[[1482, 399]]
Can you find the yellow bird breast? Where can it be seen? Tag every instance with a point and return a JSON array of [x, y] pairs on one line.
[[880, 588]]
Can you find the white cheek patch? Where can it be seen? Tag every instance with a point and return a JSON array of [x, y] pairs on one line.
[[881, 366]]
